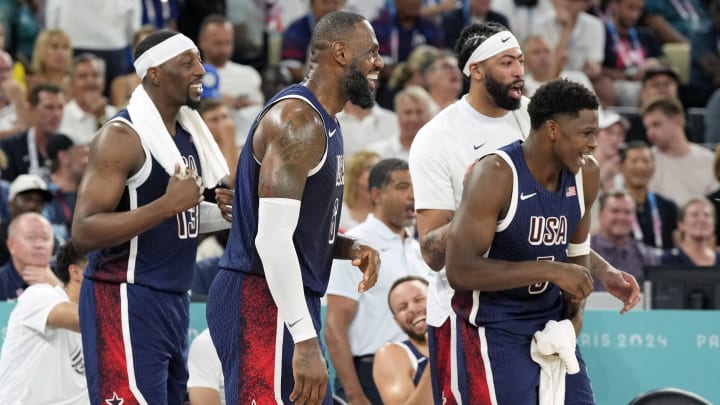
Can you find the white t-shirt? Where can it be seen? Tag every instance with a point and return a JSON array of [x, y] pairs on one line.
[[240, 80], [358, 134], [440, 155], [79, 125], [204, 365], [373, 324], [679, 179], [389, 148], [587, 40], [41, 365]]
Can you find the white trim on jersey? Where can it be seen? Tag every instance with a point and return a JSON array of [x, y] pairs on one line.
[[277, 376], [475, 301], [411, 355], [580, 192], [132, 254], [488, 367], [299, 97], [512, 209], [454, 387], [138, 178], [125, 319]]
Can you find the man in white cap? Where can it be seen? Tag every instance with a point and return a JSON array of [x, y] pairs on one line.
[[493, 114], [138, 210]]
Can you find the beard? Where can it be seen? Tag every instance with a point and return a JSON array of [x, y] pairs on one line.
[[355, 87], [420, 337], [499, 93], [194, 104]]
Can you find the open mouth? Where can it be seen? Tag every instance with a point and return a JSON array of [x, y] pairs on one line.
[[516, 89], [197, 87], [372, 79], [417, 321]]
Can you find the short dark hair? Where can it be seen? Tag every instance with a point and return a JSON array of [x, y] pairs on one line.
[[212, 19], [402, 280], [208, 104], [472, 36], [560, 97], [616, 193], [67, 255], [380, 173], [333, 26], [152, 40], [669, 106], [92, 58], [636, 144], [34, 97]]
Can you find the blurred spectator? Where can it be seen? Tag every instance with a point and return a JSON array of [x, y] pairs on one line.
[[249, 21], [524, 15], [714, 197], [51, 60], [193, 12], [401, 29], [122, 86], [26, 151], [656, 216], [704, 52], [408, 73], [30, 243], [412, 105], [614, 241], [296, 38], [104, 29], [206, 385], [629, 49], [43, 342], [472, 11], [576, 36], [399, 371], [682, 169], [611, 135], [443, 80], [207, 266], [161, 14], [357, 325], [673, 21], [22, 30], [88, 109], [542, 65], [13, 106], [356, 198], [712, 119], [215, 114], [696, 236], [659, 80], [367, 8], [361, 126], [67, 165]]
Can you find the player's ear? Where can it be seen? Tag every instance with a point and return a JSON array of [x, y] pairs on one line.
[[476, 72], [341, 52], [553, 129]]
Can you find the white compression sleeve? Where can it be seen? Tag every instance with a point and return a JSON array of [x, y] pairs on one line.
[[277, 220]]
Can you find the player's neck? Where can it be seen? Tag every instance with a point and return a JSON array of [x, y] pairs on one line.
[[422, 346], [168, 111], [637, 193], [326, 90], [545, 172]]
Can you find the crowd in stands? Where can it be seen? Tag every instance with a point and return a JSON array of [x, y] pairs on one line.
[[66, 68]]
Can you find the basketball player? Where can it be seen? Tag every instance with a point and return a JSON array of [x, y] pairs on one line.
[[263, 307], [138, 212], [399, 367], [519, 246], [492, 114]]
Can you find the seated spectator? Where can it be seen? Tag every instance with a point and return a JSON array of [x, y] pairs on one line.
[[696, 235], [523, 15], [30, 242], [402, 28], [26, 152], [51, 60], [206, 385], [361, 126], [88, 109], [443, 80], [68, 162], [658, 81], [542, 64], [296, 38], [712, 119], [216, 117], [656, 216], [674, 21], [682, 168], [43, 341], [610, 137], [472, 11], [400, 367], [614, 241], [122, 86], [704, 53], [13, 109], [413, 106], [356, 198], [408, 73], [715, 197]]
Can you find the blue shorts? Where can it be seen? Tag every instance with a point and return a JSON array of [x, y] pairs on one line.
[[254, 346], [439, 350], [493, 366], [135, 343]]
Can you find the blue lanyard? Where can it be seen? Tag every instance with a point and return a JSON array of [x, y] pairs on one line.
[[656, 223], [628, 57]]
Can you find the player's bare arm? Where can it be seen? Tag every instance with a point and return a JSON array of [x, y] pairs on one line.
[[289, 142], [433, 226], [393, 375], [115, 155], [363, 256], [485, 200]]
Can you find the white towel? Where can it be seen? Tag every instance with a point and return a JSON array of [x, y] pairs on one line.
[[553, 348], [154, 135]]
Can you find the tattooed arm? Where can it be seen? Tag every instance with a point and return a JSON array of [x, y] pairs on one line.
[[433, 226]]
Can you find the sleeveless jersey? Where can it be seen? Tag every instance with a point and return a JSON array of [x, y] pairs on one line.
[[418, 360], [161, 258], [538, 226], [314, 237]]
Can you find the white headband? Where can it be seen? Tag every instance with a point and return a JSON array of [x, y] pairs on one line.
[[162, 52], [490, 47]]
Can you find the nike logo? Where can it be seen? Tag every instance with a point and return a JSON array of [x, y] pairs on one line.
[[524, 197], [504, 40], [291, 324], [331, 133], [476, 147]]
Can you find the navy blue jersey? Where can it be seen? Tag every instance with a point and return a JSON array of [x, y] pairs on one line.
[[418, 360], [315, 234], [538, 226], [162, 257]]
